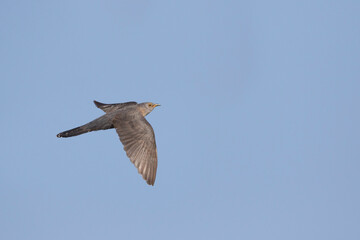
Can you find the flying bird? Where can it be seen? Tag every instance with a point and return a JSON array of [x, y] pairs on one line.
[[135, 133]]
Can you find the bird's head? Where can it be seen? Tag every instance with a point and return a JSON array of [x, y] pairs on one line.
[[147, 107]]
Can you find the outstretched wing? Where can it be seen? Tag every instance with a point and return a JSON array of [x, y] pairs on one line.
[[138, 138], [113, 106]]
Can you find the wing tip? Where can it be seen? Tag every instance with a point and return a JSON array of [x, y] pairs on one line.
[[150, 180], [98, 104]]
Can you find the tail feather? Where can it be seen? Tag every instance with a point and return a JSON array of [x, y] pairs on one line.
[[102, 123], [72, 132]]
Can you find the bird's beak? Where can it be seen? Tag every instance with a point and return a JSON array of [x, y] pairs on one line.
[[156, 105]]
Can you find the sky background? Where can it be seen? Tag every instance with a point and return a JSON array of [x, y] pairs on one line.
[[258, 134]]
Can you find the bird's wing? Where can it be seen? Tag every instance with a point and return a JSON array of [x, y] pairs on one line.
[[138, 138], [113, 106]]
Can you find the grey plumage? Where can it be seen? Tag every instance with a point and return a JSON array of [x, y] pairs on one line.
[[135, 132]]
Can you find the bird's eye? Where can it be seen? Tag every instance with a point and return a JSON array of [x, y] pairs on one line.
[[149, 104]]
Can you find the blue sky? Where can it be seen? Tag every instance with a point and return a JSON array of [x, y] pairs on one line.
[[258, 132]]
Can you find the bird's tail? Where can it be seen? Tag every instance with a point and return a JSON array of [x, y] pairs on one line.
[[73, 132], [102, 123]]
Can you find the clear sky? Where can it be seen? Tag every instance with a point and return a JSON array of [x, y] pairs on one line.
[[258, 134]]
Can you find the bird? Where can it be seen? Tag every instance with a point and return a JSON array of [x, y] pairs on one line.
[[135, 133]]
